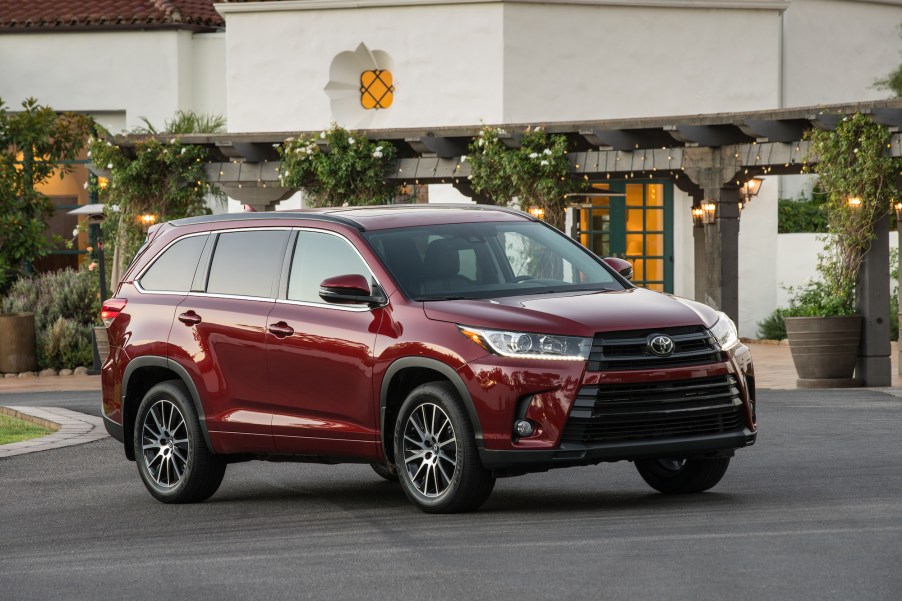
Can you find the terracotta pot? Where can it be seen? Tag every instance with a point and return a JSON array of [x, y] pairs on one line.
[[17, 343], [825, 350]]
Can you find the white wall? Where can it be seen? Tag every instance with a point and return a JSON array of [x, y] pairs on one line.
[[115, 74], [796, 261], [835, 49], [208, 73], [683, 245], [757, 258], [604, 62], [447, 63]]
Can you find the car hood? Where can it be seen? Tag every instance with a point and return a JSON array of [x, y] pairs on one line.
[[575, 314]]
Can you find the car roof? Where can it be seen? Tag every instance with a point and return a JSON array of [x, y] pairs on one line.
[[376, 217]]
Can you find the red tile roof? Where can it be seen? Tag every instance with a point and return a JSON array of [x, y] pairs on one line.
[[60, 15]]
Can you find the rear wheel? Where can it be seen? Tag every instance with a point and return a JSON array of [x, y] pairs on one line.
[[682, 476], [173, 460], [435, 452]]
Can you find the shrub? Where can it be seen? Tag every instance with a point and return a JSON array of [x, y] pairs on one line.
[[804, 215], [68, 344], [68, 296], [773, 327]]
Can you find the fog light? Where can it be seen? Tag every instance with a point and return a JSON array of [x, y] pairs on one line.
[[524, 427]]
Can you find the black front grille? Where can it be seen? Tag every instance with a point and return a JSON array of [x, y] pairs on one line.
[[649, 411], [693, 345]]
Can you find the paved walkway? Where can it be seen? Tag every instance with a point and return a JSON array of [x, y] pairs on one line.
[[773, 368], [71, 428]]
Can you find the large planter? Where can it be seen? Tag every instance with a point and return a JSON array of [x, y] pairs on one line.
[[825, 350], [17, 343]]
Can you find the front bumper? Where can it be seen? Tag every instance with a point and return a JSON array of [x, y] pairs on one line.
[[569, 455]]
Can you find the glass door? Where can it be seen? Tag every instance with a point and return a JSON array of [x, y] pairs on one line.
[[634, 222]]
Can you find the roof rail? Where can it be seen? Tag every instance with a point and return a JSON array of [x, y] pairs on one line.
[[333, 214], [318, 216]]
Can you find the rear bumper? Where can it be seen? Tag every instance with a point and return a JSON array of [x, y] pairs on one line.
[[568, 455]]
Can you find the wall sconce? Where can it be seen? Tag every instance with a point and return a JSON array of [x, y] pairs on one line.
[[103, 182], [146, 220], [898, 207], [710, 212], [537, 212], [854, 202], [698, 216], [750, 189]]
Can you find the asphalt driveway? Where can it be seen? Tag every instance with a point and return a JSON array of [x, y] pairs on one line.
[[813, 511]]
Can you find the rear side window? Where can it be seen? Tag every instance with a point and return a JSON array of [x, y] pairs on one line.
[[173, 271], [245, 263]]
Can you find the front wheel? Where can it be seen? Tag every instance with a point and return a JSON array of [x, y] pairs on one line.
[[682, 476], [435, 452], [172, 457], [386, 470]]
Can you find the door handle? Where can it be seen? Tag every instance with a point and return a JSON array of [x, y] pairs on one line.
[[281, 330], [190, 318]]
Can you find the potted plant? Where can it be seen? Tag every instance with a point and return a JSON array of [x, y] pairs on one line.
[[857, 175]]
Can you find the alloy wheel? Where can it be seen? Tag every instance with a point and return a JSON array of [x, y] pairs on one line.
[[165, 443], [430, 450]]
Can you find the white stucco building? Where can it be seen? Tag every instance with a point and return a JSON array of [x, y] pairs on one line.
[[294, 65]]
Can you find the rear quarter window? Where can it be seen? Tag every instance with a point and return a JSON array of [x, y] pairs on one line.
[[173, 270]]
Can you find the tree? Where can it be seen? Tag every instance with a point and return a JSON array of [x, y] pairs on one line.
[[165, 179], [893, 81], [33, 143]]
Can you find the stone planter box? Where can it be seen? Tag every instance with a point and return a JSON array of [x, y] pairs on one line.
[[17, 343], [825, 350]]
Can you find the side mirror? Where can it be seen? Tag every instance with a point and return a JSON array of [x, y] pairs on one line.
[[351, 288], [621, 266]]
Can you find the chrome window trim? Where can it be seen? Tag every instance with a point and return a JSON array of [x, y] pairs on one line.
[[324, 304], [137, 280], [284, 301], [262, 299], [277, 228]]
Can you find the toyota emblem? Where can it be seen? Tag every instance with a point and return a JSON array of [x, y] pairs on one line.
[[661, 345]]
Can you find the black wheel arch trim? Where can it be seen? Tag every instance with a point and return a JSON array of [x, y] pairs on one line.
[[182, 373], [445, 370]]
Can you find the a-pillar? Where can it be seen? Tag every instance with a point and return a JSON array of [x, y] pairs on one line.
[[722, 252], [872, 302]]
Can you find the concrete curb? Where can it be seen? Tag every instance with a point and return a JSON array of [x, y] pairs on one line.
[[71, 427]]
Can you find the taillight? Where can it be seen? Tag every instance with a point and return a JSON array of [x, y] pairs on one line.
[[111, 309]]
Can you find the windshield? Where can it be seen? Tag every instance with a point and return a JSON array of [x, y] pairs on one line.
[[486, 260]]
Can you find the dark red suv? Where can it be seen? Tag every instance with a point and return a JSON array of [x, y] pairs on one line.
[[446, 346]]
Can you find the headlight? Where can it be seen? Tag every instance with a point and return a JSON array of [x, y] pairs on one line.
[[529, 345], [724, 332]]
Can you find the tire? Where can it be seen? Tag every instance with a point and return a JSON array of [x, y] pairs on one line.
[[386, 470], [173, 459], [435, 452], [686, 476]]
